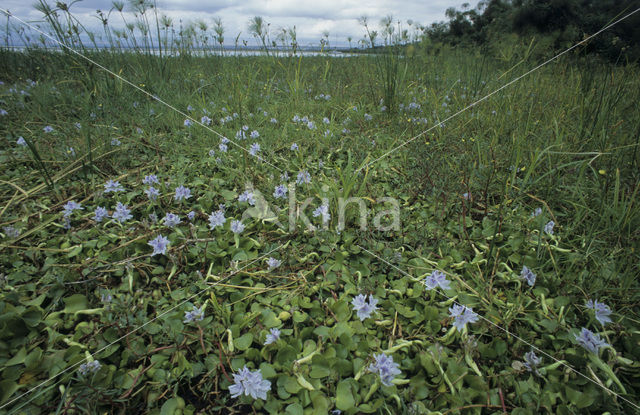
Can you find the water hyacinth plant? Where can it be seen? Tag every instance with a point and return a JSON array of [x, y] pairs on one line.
[[181, 271]]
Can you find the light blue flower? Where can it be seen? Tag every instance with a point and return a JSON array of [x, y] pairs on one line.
[[89, 368], [197, 314], [70, 206], [188, 123], [590, 341], [10, 231], [528, 275], [191, 215], [115, 142], [272, 337], [21, 141], [47, 129], [152, 193], [385, 367], [205, 120], [322, 210], [303, 177], [113, 186], [437, 279], [536, 212], [247, 196], [548, 228], [254, 134], [182, 193], [254, 149], [122, 213], [294, 147], [216, 219], [150, 179], [159, 245], [170, 220], [237, 226], [602, 311], [462, 315], [250, 384], [363, 308], [531, 361], [100, 213], [273, 263], [280, 192], [222, 147]]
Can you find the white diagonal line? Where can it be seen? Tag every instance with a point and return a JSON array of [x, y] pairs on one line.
[[510, 333], [155, 97], [72, 367], [497, 90]]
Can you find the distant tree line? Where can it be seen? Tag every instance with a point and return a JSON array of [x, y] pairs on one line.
[[564, 22]]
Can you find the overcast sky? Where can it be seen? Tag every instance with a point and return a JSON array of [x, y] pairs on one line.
[[311, 17]]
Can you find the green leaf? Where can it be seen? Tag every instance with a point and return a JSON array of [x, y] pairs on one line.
[[243, 342], [75, 303], [344, 396]]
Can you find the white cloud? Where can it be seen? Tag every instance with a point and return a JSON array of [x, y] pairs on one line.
[[310, 17]]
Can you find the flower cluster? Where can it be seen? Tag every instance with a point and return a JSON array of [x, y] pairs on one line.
[[89, 368], [590, 341], [602, 311], [272, 337], [197, 314], [363, 308], [249, 383], [437, 279], [528, 275], [159, 245], [385, 367], [462, 315]]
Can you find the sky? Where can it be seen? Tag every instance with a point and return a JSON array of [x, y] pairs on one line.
[[310, 17]]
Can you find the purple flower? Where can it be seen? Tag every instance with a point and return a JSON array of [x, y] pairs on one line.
[[437, 279], [531, 361], [536, 212], [303, 177], [294, 147], [21, 141], [590, 341], [222, 147], [11, 231], [272, 337], [150, 179], [113, 186], [250, 384], [170, 220], [462, 315], [280, 192], [362, 308], [602, 311], [100, 213], [254, 149], [237, 226], [152, 193], [254, 134], [122, 213], [273, 263], [159, 245], [197, 314], [188, 123], [216, 219], [247, 196], [47, 129], [548, 228], [89, 368], [182, 193], [528, 275], [205, 120], [70, 206], [322, 210], [385, 367], [191, 215]]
